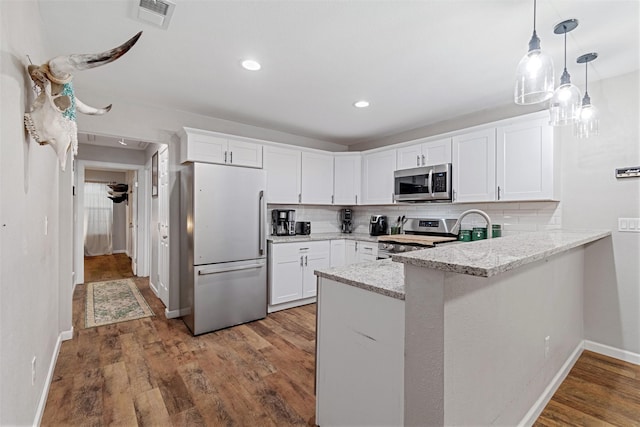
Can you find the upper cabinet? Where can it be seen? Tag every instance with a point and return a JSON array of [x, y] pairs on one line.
[[283, 168], [346, 178], [424, 154], [515, 161], [377, 177], [525, 161], [474, 166], [317, 178], [202, 146]]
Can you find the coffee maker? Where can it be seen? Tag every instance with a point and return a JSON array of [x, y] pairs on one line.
[[283, 222], [378, 225], [346, 218]]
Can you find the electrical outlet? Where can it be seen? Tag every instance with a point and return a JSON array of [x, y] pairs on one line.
[[33, 370], [547, 343]]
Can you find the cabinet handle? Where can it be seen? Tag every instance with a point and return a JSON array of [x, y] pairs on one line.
[[301, 263], [356, 246], [498, 192], [368, 248], [392, 198], [423, 162], [303, 249], [418, 160], [453, 194], [356, 199], [305, 261], [332, 199], [299, 197], [225, 157], [230, 156]]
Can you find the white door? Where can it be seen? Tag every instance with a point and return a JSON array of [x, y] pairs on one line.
[[242, 153], [346, 179], [351, 252], [283, 175], [285, 276], [163, 225], [314, 260], [317, 178], [133, 218], [436, 152], [377, 177], [409, 157]]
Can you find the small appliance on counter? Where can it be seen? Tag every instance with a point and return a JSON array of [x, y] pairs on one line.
[[303, 228], [283, 222], [346, 218], [378, 225]]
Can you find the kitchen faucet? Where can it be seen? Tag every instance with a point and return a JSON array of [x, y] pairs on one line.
[[456, 227]]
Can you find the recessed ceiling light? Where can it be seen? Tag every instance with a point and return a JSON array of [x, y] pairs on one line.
[[361, 104], [251, 65]]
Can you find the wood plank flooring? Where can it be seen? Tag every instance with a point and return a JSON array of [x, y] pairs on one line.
[[151, 371]]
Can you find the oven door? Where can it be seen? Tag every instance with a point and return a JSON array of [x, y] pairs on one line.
[[423, 184]]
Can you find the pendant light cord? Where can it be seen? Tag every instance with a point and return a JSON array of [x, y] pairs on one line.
[[565, 48], [534, 16], [586, 81]]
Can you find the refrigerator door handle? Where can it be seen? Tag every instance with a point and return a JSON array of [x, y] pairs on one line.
[[228, 269], [261, 225]]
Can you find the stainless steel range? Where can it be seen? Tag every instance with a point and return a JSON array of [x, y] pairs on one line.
[[420, 233]]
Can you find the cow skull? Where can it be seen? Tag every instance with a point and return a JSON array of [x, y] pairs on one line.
[[52, 117]]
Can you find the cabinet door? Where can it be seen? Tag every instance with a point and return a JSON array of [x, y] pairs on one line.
[[346, 179], [338, 253], [409, 157], [474, 166], [317, 178], [197, 147], [317, 257], [351, 252], [242, 153], [524, 158], [377, 177], [286, 267], [283, 168], [436, 152], [367, 252]]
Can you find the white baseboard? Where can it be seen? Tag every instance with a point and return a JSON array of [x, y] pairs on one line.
[[66, 335], [537, 408], [173, 314], [121, 251], [47, 382], [290, 304], [616, 353], [153, 287]]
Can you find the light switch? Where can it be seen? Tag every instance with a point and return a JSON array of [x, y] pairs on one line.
[[629, 225]]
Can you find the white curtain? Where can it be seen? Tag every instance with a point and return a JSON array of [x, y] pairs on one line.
[[98, 220]]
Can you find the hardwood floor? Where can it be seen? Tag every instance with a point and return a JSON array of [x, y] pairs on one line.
[[599, 391], [153, 372]]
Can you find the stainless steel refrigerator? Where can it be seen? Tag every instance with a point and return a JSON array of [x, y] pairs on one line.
[[223, 246]]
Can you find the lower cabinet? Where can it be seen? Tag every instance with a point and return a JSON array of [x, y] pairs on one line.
[[291, 266], [359, 251], [338, 253]]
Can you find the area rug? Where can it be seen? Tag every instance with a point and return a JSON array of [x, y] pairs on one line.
[[114, 301]]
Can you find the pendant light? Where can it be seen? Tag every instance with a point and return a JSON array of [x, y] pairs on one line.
[[587, 123], [534, 75], [564, 107]]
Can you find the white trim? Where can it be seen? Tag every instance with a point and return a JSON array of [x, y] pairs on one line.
[[532, 415], [66, 335], [616, 353], [290, 304], [174, 314], [47, 382], [154, 288], [122, 251]]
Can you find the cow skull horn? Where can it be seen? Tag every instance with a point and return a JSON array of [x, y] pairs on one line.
[[61, 67], [93, 111]]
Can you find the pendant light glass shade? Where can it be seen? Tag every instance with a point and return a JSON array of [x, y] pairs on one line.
[[534, 75], [587, 123], [565, 104]]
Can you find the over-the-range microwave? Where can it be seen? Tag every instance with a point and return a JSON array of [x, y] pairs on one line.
[[423, 184]]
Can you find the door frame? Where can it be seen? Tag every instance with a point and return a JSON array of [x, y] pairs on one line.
[[142, 235]]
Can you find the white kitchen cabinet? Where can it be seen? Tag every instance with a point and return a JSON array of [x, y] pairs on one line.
[[209, 147], [474, 166], [291, 267], [283, 168], [338, 253], [317, 178], [377, 177], [525, 161], [360, 251], [346, 179], [424, 154]]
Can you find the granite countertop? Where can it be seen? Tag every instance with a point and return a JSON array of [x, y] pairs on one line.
[[323, 236], [487, 258], [384, 277]]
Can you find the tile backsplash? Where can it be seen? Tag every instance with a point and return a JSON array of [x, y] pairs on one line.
[[514, 217]]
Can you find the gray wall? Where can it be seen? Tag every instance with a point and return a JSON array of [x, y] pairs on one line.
[[35, 267], [119, 232]]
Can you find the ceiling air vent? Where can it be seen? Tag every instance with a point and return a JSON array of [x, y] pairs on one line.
[[156, 12]]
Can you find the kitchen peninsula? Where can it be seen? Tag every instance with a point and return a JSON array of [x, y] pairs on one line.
[[474, 333]]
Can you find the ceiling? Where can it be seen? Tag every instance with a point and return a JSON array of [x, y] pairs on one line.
[[108, 141], [416, 62]]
